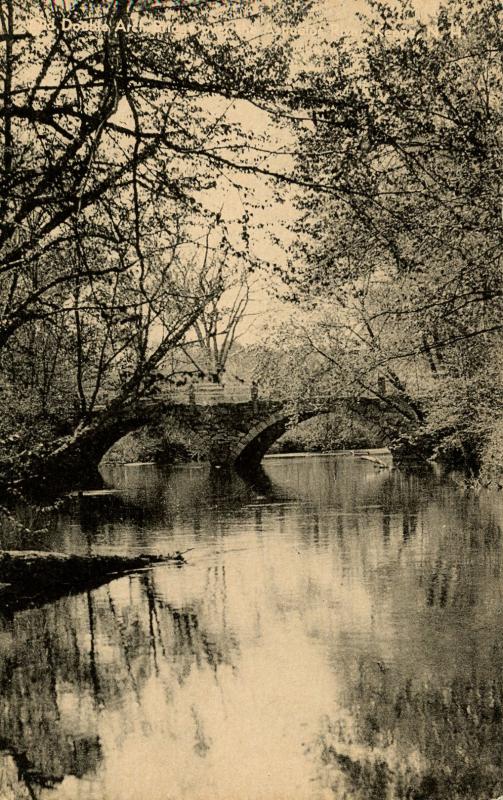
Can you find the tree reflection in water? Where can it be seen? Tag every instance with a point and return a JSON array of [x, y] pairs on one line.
[[427, 723], [418, 741], [62, 664]]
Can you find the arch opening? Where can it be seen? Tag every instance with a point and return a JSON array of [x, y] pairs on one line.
[[352, 427]]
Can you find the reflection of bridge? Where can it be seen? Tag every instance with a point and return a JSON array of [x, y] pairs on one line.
[[235, 424]]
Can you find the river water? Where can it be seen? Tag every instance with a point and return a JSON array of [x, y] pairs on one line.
[[336, 633]]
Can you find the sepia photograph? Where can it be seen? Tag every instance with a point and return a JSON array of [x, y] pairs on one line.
[[251, 400]]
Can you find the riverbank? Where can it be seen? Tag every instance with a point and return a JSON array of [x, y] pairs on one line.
[[374, 451], [33, 577]]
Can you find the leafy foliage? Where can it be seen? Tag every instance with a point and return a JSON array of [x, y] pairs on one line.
[[402, 207]]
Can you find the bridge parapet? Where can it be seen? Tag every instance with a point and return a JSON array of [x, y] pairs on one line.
[[210, 394], [213, 394], [221, 395]]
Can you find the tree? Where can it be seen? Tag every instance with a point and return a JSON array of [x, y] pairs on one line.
[[402, 168], [208, 344], [113, 141], [114, 114]]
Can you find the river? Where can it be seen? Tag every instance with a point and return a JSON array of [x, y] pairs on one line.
[[336, 633]]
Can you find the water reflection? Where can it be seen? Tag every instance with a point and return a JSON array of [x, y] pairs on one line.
[[64, 665], [336, 634]]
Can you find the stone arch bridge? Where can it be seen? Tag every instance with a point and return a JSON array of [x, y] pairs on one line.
[[239, 428]]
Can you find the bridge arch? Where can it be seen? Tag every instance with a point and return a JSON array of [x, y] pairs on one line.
[[250, 448]]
